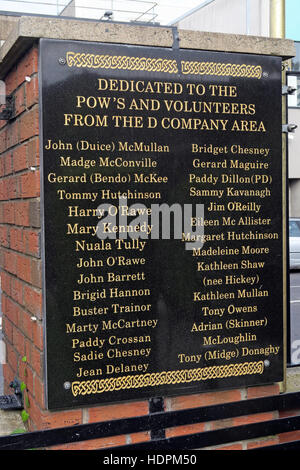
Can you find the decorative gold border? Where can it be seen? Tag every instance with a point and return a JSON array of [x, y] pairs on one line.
[[89, 387], [150, 64], [221, 69], [118, 62]]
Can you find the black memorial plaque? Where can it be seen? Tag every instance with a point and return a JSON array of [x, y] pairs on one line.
[[139, 305]]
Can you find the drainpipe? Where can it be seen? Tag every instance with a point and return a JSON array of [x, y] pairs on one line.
[[277, 18], [247, 17]]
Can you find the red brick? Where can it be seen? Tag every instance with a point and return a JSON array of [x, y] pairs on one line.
[[4, 237], [13, 311], [12, 134], [29, 124], [8, 213], [32, 242], [185, 430], [35, 416], [2, 165], [20, 158], [39, 392], [60, 419], [27, 347], [204, 399], [24, 268], [27, 325], [35, 213], [10, 262], [27, 66], [140, 437], [8, 164], [30, 184], [3, 140], [19, 101], [93, 444], [21, 213], [288, 413], [289, 436], [11, 81], [37, 361], [11, 357], [9, 375], [263, 391], [18, 341], [36, 272], [17, 290], [126, 410], [32, 92], [236, 446], [2, 192], [263, 442], [38, 335], [33, 152], [6, 282], [255, 418], [33, 300], [26, 376], [221, 424], [1, 259], [7, 329], [16, 239], [11, 187]]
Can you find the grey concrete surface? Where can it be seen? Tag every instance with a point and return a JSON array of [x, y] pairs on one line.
[[10, 421], [24, 32]]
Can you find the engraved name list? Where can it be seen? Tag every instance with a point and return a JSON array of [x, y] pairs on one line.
[[162, 195]]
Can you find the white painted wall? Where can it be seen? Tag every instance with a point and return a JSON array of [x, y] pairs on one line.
[[294, 144], [230, 16]]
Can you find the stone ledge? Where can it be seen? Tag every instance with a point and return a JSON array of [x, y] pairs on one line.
[[260, 45], [6, 25], [28, 29]]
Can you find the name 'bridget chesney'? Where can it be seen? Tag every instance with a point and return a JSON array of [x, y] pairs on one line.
[[234, 149]]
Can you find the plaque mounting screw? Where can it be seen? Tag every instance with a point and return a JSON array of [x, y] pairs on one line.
[[62, 61], [67, 385], [265, 74], [267, 363]]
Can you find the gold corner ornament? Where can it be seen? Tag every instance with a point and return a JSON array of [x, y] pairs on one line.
[[113, 384], [170, 66]]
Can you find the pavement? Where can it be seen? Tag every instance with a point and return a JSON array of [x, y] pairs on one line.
[[295, 317]]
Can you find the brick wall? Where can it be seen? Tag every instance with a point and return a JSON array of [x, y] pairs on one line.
[[21, 278], [22, 286]]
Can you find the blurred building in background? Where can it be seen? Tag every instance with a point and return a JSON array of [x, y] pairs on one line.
[[273, 18], [229, 16]]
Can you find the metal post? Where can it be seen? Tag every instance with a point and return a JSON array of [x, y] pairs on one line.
[[277, 18]]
